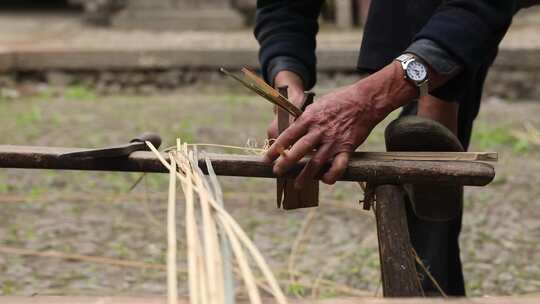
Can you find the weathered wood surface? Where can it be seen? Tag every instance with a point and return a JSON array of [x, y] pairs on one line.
[[287, 195], [162, 300], [437, 156], [378, 172], [398, 271]]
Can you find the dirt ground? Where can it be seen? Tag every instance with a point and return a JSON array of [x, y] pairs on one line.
[[96, 214]]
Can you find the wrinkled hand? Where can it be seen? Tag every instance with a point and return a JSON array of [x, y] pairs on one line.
[[335, 125], [339, 122]]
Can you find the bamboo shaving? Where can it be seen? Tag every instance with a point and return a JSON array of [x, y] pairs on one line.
[[172, 284], [206, 277], [428, 273], [192, 240], [247, 274], [211, 247], [225, 244]]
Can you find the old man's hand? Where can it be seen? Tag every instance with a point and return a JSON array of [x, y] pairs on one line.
[[335, 126], [338, 123]]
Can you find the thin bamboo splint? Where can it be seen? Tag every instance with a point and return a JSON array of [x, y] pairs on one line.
[[206, 276]]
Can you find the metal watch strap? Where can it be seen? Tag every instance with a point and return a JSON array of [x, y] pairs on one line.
[[404, 57], [423, 87]]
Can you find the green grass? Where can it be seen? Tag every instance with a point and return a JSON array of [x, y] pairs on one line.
[[8, 287], [237, 100], [30, 117], [77, 92], [87, 201], [297, 290], [46, 93], [489, 137], [36, 192]]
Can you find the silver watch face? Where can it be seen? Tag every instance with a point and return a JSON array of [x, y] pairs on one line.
[[416, 71]]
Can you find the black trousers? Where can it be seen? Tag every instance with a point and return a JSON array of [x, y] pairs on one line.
[[437, 243]]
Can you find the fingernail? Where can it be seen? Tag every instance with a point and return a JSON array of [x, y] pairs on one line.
[[277, 170]]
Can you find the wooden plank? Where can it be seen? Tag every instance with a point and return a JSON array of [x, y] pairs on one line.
[[398, 271], [378, 172], [435, 156], [162, 300], [294, 198]]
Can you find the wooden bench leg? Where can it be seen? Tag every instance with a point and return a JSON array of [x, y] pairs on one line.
[[398, 269]]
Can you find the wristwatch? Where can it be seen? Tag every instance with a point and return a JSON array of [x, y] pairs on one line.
[[415, 72]]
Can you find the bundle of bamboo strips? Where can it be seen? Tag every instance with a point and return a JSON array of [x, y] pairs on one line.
[[210, 277]]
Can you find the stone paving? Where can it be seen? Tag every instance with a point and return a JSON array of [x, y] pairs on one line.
[[45, 41], [61, 31]]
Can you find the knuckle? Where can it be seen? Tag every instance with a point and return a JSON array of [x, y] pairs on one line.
[[303, 120], [308, 116], [308, 141], [340, 168]]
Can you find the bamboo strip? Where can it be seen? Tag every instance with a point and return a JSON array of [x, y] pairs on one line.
[[431, 156], [213, 260], [257, 256], [172, 284], [247, 274], [260, 82], [205, 295], [192, 240], [226, 218], [201, 273], [271, 95], [201, 276], [277, 98], [225, 244]]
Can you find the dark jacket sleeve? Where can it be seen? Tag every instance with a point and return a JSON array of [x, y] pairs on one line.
[[286, 31], [469, 29]]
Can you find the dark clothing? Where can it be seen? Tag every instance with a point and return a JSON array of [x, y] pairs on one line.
[[287, 29], [455, 37], [437, 243], [466, 29]]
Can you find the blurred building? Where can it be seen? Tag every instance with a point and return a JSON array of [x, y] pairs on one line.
[[184, 14], [202, 14]]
